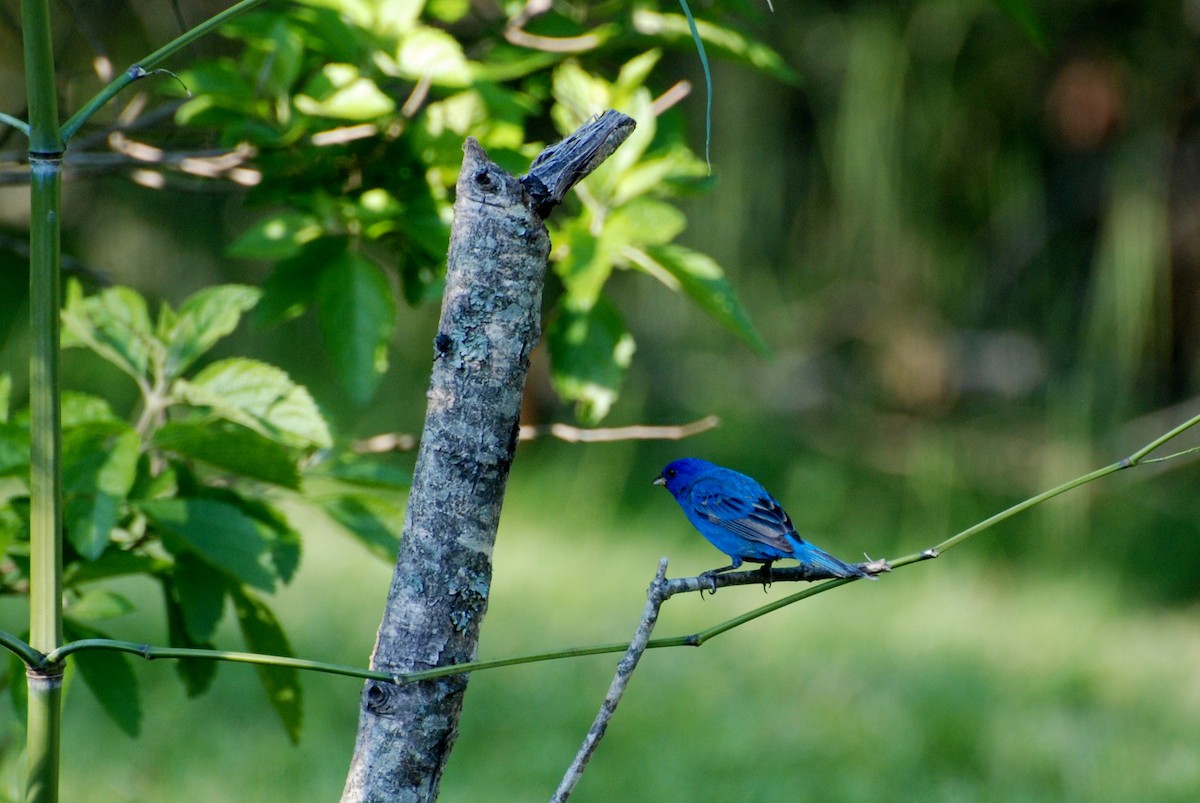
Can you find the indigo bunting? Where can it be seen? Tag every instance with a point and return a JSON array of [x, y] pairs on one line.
[[737, 516]]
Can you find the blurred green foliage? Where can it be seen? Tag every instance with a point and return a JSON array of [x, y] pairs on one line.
[[974, 261]]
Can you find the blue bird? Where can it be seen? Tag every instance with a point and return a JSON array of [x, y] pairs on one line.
[[737, 516]]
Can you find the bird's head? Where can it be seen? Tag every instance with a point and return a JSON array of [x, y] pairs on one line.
[[678, 476]]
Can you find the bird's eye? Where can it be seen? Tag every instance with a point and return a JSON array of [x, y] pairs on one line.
[[671, 472]]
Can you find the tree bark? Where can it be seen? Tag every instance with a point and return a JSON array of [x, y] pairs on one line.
[[489, 324]]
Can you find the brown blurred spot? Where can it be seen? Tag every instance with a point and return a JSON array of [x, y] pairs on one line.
[[1085, 104]]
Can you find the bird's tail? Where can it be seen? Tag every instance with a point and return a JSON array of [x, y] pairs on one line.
[[823, 560]]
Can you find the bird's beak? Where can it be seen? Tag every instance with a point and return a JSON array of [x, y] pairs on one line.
[[659, 480]]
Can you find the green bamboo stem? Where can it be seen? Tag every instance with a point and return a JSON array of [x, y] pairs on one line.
[[43, 739], [144, 67], [45, 459]]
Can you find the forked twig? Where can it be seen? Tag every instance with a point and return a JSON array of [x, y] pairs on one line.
[[655, 596]]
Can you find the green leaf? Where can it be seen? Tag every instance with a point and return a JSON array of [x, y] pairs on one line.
[[5, 394], [278, 236], [82, 408], [590, 350], [203, 319], [197, 675], [263, 634], [726, 42], [200, 591], [1021, 12], [113, 323], [232, 448], [357, 316], [14, 451], [219, 533], [702, 279], [373, 521], [292, 285], [341, 93], [372, 472], [583, 261], [113, 563], [108, 674], [99, 603], [645, 222], [99, 467], [434, 55], [261, 397]]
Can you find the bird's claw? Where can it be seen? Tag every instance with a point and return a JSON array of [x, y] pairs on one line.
[[711, 577]]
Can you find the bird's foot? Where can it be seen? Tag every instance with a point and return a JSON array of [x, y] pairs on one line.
[[767, 575], [711, 578]]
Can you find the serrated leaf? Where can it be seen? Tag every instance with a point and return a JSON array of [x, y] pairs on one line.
[[373, 521], [219, 533], [109, 676], [278, 236], [261, 397], [200, 590], [703, 280], [232, 448], [590, 351], [99, 603], [263, 634], [99, 467], [203, 319], [115, 324], [357, 314], [197, 675]]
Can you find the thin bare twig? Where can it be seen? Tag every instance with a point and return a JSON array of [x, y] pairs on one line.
[[655, 596], [406, 442]]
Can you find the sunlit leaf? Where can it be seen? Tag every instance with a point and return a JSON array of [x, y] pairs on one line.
[[725, 42], [263, 634], [357, 314], [217, 532], [590, 351], [202, 320], [261, 397], [115, 324], [109, 676], [432, 54], [340, 92]]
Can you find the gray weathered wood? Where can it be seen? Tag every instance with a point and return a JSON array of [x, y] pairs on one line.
[[490, 323]]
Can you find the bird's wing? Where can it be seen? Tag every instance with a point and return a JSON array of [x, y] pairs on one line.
[[753, 515]]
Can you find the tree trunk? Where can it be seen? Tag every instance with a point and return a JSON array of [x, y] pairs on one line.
[[439, 593]]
